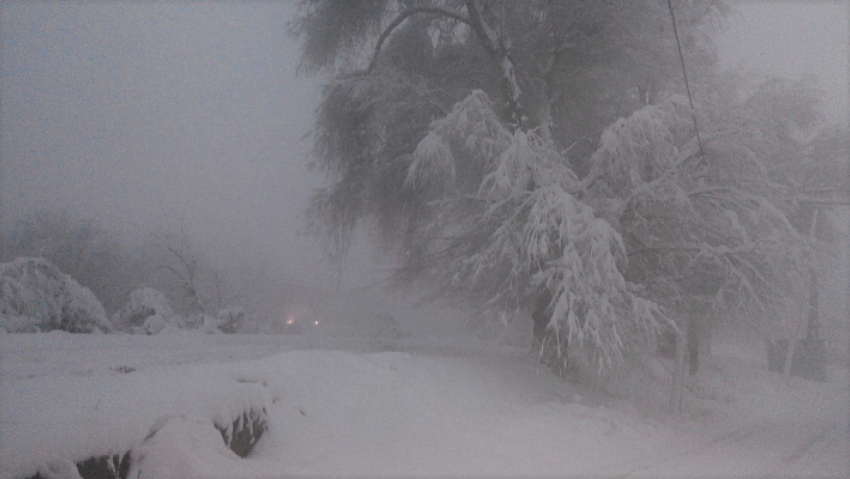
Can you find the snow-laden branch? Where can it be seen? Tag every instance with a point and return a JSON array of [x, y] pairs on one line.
[[526, 230], [713, 224], [471, 128]]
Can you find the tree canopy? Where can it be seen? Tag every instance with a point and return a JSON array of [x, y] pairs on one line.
[[511, 150]]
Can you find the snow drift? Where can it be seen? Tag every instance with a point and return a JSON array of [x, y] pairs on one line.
[[443, 408]]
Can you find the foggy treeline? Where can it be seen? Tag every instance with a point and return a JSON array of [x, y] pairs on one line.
[[112, 266]]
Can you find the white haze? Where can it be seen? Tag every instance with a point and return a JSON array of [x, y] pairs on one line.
[[149, 115]]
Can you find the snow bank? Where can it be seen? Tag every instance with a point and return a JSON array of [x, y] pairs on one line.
[[60, 420], [448, 409], [36, 296], [186, 447]]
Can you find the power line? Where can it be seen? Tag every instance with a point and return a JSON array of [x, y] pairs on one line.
[[685, 75]]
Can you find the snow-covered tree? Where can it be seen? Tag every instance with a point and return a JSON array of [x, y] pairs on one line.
[[543, 154], [526, 231], [697, 227], [147, 312], [36, 296], [80, 247], [231, 320], [193, 284]]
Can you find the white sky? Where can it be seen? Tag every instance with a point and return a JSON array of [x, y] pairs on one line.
[[143, 114], [792, 39]]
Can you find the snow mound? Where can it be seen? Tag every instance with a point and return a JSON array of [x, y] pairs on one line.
[[36, 296], [174, 445], [55, 422], [450, 408]]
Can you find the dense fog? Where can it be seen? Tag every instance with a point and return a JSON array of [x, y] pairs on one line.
[[431, 238], [192, 118]]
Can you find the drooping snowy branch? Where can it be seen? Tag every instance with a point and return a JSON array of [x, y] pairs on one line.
[[539, 231], [711, 223], [471, 129], [398, 20]]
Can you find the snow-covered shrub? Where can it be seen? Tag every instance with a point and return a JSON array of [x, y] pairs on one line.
[[255, 323], [147, 312], [36, 296], [230, 320], [12, 323], [202, 322]]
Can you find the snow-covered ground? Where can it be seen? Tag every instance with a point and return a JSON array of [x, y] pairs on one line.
[[429, 407]]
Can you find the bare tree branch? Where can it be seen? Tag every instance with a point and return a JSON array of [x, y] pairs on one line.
[[404, 16]]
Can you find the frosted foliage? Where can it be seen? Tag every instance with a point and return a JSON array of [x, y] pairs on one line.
[[579, 258], [147, 312], [540, 233], [153, 324], [36, 296], [640, 149], [432, 159], [231, 320], [710, 219], [472, 128]]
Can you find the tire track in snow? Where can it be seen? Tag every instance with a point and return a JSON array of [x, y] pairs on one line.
[[804, 448], [729, 438], [764, 448]]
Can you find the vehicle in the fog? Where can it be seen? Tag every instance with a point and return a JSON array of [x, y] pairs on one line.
[[296, 319]]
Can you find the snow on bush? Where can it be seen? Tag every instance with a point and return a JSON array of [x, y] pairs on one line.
[[230, 320], [36, 296], [255, 323], [175, 446], [147, 312], [204, 323]]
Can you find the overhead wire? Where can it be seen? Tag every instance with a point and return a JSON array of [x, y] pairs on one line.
[[687, 83]]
